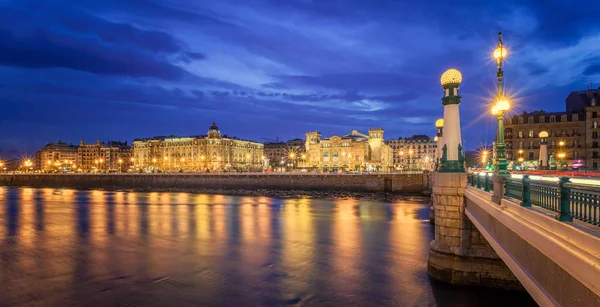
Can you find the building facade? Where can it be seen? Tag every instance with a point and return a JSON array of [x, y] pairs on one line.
[[573, 135], [416, 152], [56, 157], [283, 153], [354, 151], [211, 152], [103, 156]]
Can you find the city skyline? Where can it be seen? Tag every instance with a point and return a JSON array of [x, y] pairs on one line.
[[118, 70]]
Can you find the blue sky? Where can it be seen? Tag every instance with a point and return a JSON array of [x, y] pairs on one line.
[[120, 69]]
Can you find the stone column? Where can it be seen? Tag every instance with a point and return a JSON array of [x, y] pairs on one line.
[[452, 159], [458, 254]]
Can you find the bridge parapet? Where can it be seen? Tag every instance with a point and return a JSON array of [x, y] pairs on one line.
[[557, 262]]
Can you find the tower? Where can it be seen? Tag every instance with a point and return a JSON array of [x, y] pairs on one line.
[[376, 144], [452, 159], [213, 131]]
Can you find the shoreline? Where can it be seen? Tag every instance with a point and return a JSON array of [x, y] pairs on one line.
[[281, 194]]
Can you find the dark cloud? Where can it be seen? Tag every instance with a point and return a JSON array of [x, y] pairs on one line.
[[271, 68], [592, 70]]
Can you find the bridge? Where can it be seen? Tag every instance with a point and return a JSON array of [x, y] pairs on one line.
[[535, 233]]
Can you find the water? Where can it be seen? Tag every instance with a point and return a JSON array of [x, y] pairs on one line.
[[98, 248]]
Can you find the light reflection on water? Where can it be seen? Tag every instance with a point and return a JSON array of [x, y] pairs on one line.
[[99, 248]]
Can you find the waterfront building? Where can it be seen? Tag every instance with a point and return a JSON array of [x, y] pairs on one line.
[[55, 157], [416, 152], [283, 153], [103, 156], [573, 135], [210, 152], [354, 151]]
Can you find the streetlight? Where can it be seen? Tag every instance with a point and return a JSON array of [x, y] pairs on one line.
[[120, 165], [499, 109], [484, 158]]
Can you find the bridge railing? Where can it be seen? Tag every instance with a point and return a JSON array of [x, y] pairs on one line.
[[570, 198], [481, 181]]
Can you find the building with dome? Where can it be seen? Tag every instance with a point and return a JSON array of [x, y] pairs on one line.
[[354, 151], [210, 152]]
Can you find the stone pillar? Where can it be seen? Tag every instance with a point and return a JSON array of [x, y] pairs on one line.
[[452, 159], [459, 254]]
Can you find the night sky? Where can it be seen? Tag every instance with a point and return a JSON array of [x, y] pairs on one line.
[[121, 69]]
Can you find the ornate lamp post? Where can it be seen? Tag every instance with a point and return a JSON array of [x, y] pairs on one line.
[[543, 150], [452, 160], [499, 109], [439, 140]]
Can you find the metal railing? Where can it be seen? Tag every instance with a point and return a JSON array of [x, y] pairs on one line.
[[569, 200], [481, 181]]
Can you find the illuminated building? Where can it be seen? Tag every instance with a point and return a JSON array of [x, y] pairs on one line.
[[573, 139], [282, 153], [416, 152], [210, 152], [54, 157], [354, 151], [103, 156]]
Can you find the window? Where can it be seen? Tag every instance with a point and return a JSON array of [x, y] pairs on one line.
[[520, 120], [530, 144], [594, 114], [334, 156], [594, 125], [325, 157], [575, 143], [595, 145], [542, 119], [563, 118], [520, 134], [595, 165], [530, 133], [520, 144], [531, 156], [595, 155], [552, 119], [563, 132], [530, 120], [575, 131], [575, 117], [553, 143], [594, 135], [575, 155]]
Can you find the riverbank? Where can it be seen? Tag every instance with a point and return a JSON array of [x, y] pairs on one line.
[[285, 185], [283, 194]]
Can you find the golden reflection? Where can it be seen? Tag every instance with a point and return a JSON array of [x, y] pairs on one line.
[[346, 235], [298, 237], [202, 224], [409, 242]]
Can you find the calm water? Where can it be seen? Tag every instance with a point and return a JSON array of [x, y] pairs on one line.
[[97, 248]]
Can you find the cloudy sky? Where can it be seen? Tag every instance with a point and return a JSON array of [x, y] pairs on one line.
[[120, 69]]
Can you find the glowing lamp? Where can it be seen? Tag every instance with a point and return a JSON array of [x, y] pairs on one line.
[[495, 110], [451, 76], [435, 139], [500, 53], [439, 123], [503, 105], [543, 134]]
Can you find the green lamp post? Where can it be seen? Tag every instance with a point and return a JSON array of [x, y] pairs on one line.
[[499, 109]]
